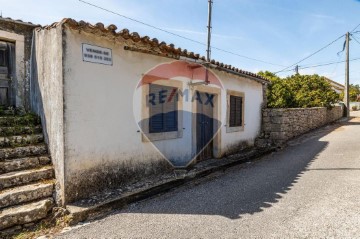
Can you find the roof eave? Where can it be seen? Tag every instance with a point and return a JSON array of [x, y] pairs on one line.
[[29, 24], [156, 48], [262, 81]]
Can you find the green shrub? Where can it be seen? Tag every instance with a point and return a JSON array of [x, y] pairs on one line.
[[354, 92], [299, 91]]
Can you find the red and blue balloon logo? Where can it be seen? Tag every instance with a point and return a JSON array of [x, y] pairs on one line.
[[177, 107]]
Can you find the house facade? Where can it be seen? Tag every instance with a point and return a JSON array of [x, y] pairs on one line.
[[116, 106]]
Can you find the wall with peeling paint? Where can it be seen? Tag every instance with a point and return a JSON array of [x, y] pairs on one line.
[[47, 96], [102, 139], [103, 146]]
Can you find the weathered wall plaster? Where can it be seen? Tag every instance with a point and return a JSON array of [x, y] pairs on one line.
[[101, 133], [47, 95], [90, 112]]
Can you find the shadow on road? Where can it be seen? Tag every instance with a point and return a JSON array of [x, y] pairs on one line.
[[352, 123], [335, 169], [245, 189]]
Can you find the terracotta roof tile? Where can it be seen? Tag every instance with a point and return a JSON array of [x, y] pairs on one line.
[[145, 45], [125, 34], [135, 36], [112, 28], [145, 39], [100, 26], [154, 42], [19, 21]]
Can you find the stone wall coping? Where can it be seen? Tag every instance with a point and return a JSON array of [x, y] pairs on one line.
[[295, 109]]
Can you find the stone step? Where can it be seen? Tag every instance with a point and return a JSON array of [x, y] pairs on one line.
[[11, 165], [26, 193], [21, 140], [20, 130], [26, 213], [24, 120], [31, 150], [11, 111], [5, 112], [13, 179]]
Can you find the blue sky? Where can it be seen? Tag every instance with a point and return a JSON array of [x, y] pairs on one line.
[[277, 31]]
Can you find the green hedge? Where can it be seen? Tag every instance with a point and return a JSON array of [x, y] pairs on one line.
[[299, 91]]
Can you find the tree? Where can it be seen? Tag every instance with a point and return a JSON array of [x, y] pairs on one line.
[[269, 75], [354, 92], [299, 91], [279, 93]]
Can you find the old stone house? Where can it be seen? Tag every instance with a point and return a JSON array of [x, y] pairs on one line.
[[92, 88], [111, 107], [116, 107]]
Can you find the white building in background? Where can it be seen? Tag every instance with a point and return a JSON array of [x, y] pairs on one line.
[[336, 86], [117, 107]]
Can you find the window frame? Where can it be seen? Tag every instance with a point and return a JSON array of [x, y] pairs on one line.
[[145, 113], [242, 126], [165, 127]]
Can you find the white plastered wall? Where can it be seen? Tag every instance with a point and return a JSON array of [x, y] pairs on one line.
[[101, 134], [48, 96], [253, 99]]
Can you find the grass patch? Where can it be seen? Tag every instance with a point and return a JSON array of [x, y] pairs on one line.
[[28, 119], [49, 226]]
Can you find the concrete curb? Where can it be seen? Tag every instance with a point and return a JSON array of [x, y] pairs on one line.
[[83, 213]]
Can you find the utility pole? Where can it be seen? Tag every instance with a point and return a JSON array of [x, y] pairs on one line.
[[208, 51], [297, 69], [346, 95]]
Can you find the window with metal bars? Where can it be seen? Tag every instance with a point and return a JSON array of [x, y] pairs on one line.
[[236, 105]]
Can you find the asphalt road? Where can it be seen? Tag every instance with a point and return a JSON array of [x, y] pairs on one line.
[[311, 189]]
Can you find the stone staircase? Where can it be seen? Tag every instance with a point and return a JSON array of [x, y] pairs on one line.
[[26, 173]]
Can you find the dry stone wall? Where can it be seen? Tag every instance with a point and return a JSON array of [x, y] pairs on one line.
[[280, 125]]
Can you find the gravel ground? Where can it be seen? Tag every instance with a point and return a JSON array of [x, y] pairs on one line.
[[311, 189]]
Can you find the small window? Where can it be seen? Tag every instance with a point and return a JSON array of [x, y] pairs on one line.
[[235, 117], [163, 109]]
